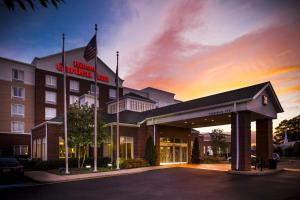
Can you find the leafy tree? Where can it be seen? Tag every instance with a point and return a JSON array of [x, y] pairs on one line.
[[81, 130], [218, 140], [11, 4], [291, 127], [196, 152], [150, 152]]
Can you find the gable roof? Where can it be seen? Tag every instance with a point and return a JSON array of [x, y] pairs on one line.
[[69, 51], [239, 95]]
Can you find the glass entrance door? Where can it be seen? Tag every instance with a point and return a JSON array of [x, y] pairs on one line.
[[172, 150]]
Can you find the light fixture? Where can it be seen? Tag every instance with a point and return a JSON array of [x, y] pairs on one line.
[[212, 120], [185, 122], [205, 119]]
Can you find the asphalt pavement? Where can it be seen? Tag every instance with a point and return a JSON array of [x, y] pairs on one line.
[[173, 183]]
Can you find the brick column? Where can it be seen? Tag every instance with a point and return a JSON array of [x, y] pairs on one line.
[[244, 123], [264, 142]]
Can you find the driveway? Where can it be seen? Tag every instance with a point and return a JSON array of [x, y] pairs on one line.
[[172, 183]]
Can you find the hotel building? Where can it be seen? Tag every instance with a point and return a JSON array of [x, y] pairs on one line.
[[31, 112]]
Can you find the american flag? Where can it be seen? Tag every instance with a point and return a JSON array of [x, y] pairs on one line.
[[91, 49]]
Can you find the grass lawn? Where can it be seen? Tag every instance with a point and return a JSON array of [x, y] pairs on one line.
[[79, 170]]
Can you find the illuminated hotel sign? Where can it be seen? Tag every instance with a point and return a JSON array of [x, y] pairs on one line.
[[83, 70]]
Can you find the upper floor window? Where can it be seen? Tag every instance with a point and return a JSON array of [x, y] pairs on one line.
[[74, 86], [93, 89], [50, 113], [51, 81], [18, 92], [17, 126], [73, 99], [50, 97], [112, 93], [17, 109], [18, 74]]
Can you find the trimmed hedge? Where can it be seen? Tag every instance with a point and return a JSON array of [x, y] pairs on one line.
[[60, 163], [211, 160], [134, 163]]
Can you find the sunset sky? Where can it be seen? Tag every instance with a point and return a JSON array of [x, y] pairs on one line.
[[191, 48]]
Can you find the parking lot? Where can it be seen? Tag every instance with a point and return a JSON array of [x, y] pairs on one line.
[[173, 183]]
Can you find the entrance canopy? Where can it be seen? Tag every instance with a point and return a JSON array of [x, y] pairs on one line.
[[213, 110]]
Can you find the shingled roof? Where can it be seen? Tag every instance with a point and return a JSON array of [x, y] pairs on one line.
[[238, 95]]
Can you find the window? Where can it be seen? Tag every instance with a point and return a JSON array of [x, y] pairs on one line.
[[51, 81], [17, 126], [93, 89], [74, 86], [126, 147], [50, 113], [50, 97], [17, 109], [20, 150], [18, 92], [112, 93], [73, 99], [18, 75]]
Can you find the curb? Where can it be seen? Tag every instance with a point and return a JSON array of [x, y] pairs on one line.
[[254, 173], [68, 178]]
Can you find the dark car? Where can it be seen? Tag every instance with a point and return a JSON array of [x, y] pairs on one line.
[[10, 167]]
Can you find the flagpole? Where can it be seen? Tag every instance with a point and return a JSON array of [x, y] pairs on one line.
[[95, 108], [118, 109], [65, 107]]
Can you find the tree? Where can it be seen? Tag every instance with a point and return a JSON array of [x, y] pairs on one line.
[[150, 152], [81, 130], [11, 4], [196, 152], [218, 140], [291, 127]]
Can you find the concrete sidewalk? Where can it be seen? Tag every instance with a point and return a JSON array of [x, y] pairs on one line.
[[46, 177]]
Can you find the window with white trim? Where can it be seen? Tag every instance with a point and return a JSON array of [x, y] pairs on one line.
[[112, 93], [50, 97], [17, 109], [74, 86], [18, 92], [126, 147], [73, 99], [93, 89], [51, 81], [50, 113], [20, 150], [17, 126], [18, 75]]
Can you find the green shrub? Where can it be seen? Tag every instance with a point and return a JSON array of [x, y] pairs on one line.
[[133, 163], [211, 159], [150, 152], [196, 152]]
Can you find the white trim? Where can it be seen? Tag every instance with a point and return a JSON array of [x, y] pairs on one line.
[[17, 133], [274, 94], [196, 109], [121, 124], [31, 144], [46, 142], [43, 123]]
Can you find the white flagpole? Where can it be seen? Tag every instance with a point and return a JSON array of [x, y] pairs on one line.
[[95, 108], [118, 109], [65, 108]]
